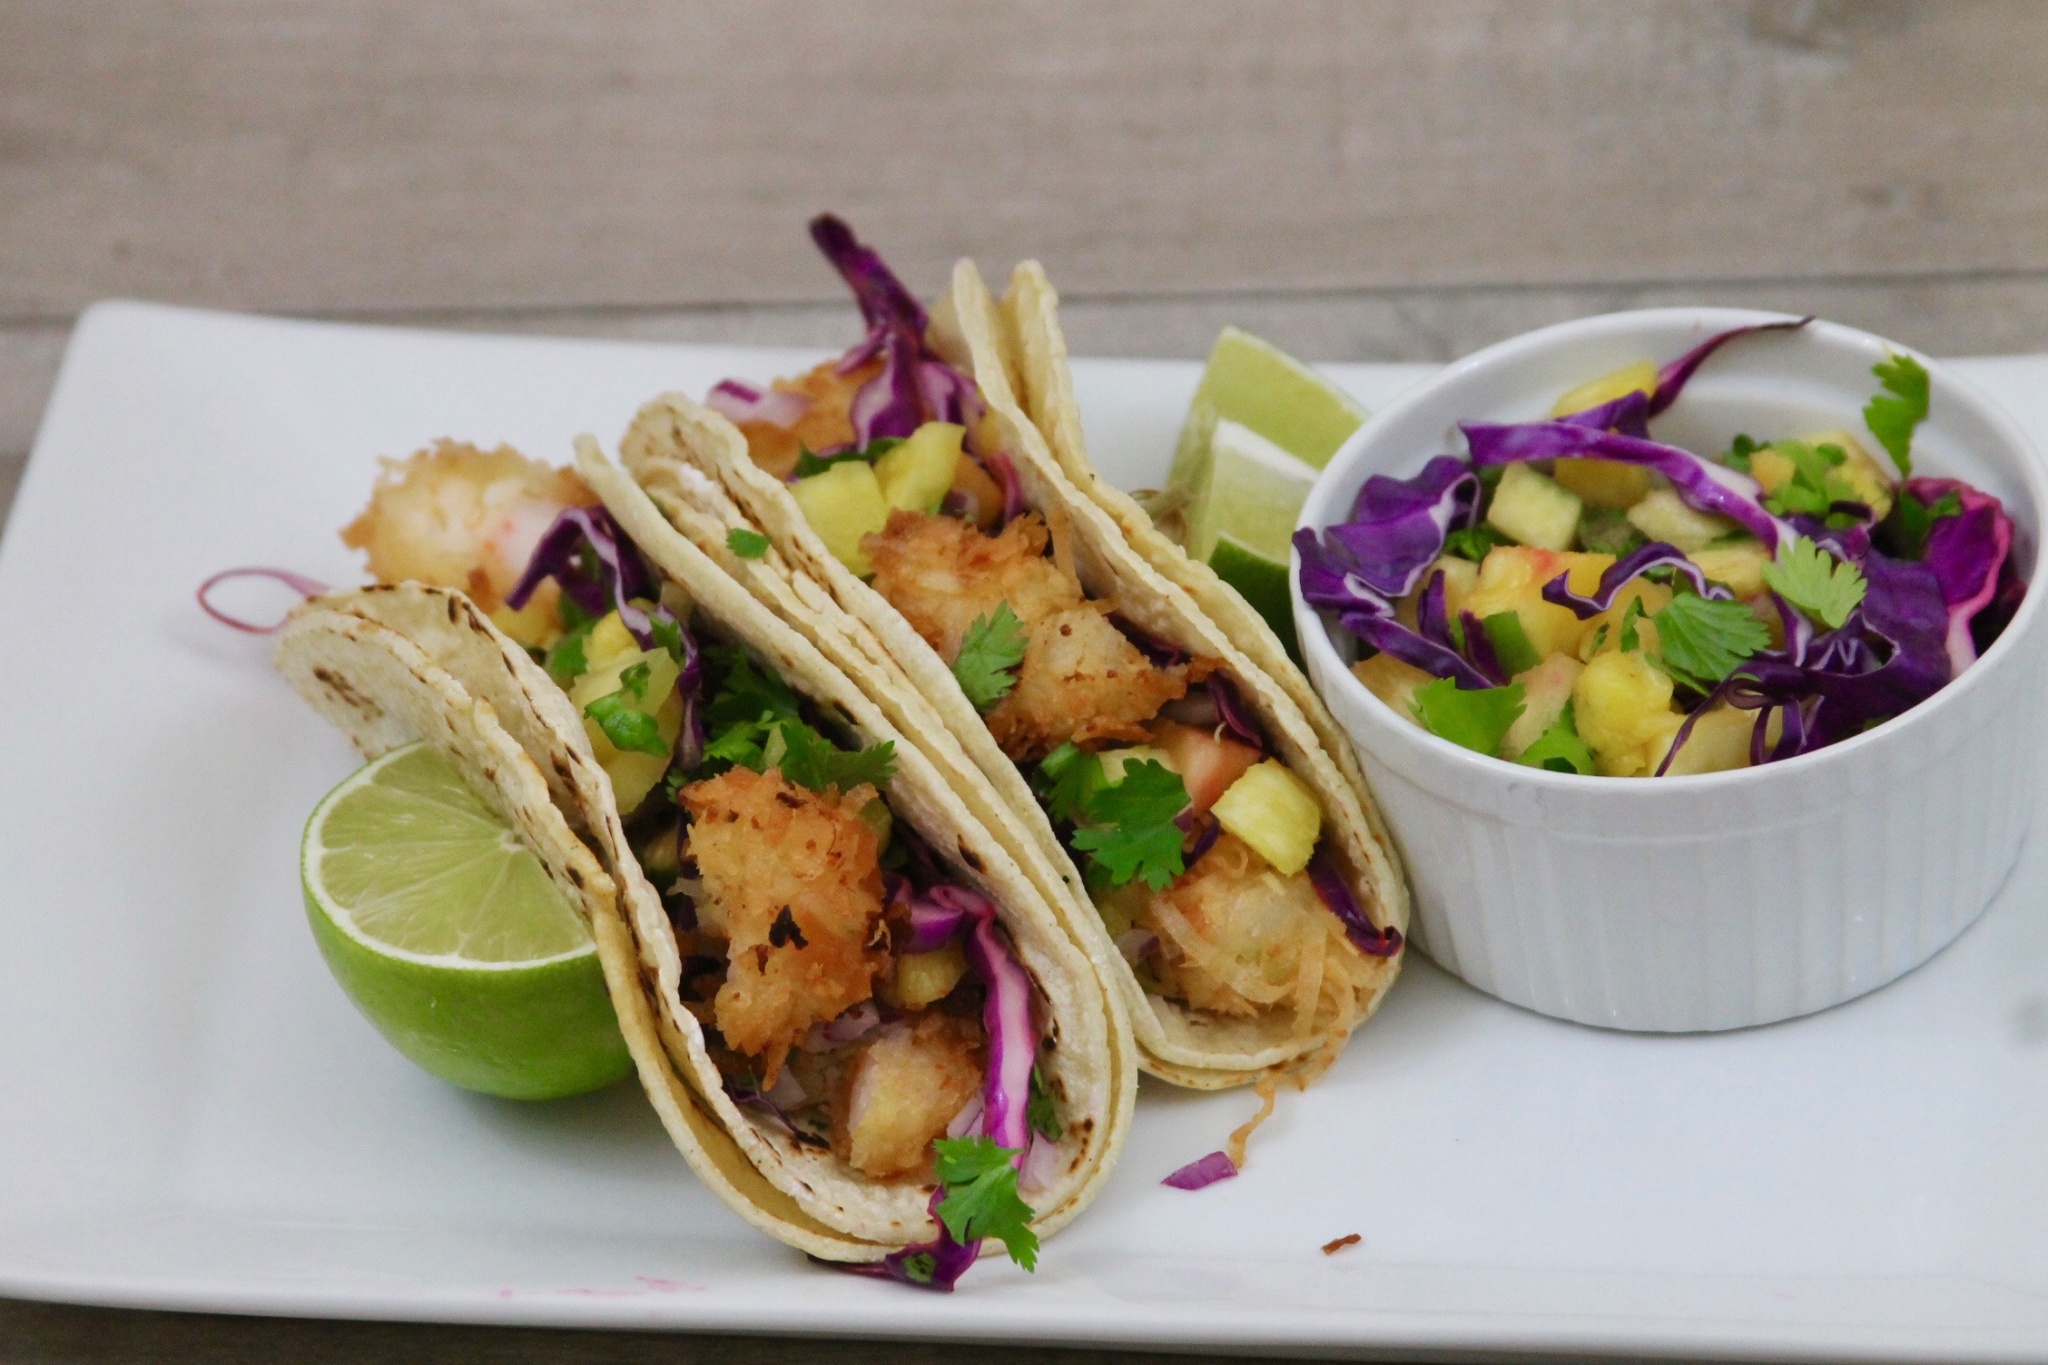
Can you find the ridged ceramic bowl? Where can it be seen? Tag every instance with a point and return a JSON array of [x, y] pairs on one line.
[[1727, 899]]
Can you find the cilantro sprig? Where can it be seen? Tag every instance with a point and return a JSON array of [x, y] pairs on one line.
[[1814, 487], [1131, 831], [753, 722], [1559, 749], [1477, 719], [1893, 414], [1701, 641], [630, 729], [1816, 582], [981, 1196], [746, 544], [808, 463], [1473, 542], [989, 655]]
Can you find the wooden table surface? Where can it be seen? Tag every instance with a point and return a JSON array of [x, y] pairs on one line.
[[1358, 181]]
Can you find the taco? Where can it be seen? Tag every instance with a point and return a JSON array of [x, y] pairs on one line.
[[1164, 793], [856, 1017]]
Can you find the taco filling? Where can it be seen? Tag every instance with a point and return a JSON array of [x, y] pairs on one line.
[[857, 997], [1201, 850]]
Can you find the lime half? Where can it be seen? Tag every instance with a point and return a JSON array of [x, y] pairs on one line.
[[445, 930]]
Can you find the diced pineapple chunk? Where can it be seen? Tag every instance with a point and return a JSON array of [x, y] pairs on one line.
[[1461, 576], [842, 504], [1604, 483], [1739, 564], [915, 475], [1639, 377], [1534, 510], [1274, 811], [1511, 579], [1546, 690], [922, 978], [1393, 681], [533, 625], [1623, 710], [608, 643], [1719, 742], [633, 773], [1662, 516], [1859, 469]]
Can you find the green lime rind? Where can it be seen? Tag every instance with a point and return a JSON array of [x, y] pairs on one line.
[[1263, 584], [447, 934], [1252, 382]]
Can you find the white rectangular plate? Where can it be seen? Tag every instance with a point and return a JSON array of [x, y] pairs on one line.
[[192, 1116]]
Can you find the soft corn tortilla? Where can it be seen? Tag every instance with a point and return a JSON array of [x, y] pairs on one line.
[[696, 465], [809, 1199]]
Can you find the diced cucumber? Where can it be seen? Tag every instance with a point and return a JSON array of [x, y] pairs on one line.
[[842, 504], [915, 475], [1533, 509], [1662, 516], [1608, 532], [1273, 811]]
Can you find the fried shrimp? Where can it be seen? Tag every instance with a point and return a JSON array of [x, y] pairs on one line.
[[1239, 938], [826, 423], [454, 516], [906, 1085], [1080, 679], [792, 880]]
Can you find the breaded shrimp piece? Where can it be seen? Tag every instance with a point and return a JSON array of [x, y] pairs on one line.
[[906, 1085], [792, 880], [458, 517], [942, 574], [1236, 936], [826, 422], [1081, 681]]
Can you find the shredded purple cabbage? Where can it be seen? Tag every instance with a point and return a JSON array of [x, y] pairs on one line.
[[1328, 583], [1335, 893], [738, 401], [1671, 380], [937, 1264], [1232, 715], [1968, 553], [597, 567], [1012, 1036], [1202, 1172], [1397, 526], [1626, 570]]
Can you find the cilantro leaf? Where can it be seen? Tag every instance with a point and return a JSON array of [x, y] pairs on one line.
[[1067, 777], [747, 693], [1472, 542], [1739, 452], [1703, 641], [629, 730], [1477, 719], [567, 661], [991, 649], [1892, 415], [746, 544], [1814, 581], [981, 1196], [634, 680], [667, 633], [1630, 639], [1605, 531], [808, 464], [1814, 487], [1043, 1114], [1131, 831], [1559, 748], [811, 760]]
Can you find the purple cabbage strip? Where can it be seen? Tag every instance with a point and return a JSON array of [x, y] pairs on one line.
[[949, 396], [738, 401], [1671, 380], [1702, 484], [1628, 414], [1202, 1172], [622, 576], [1004, 472], [1232, 715], [1397, 526], [884, 301], [1326, 583], [1160, 656], [1479, 648], [1968, 553], [935, 921], [1204, 832], [1633, 565], [890, 404], [1335, 892], [1012, 1037], [937, 1264]]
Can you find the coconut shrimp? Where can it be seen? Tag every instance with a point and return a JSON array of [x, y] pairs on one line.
[[1080, 680], [907, 1083], [792, 881], [455, 516], [1239, 938]]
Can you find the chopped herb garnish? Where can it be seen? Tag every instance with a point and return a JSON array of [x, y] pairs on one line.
[[1510, 643], [634, 680], [1630, 640], [1130, 830], [1067, 777], [1893, 414], [1739, 452], [989, 654], [1814, 581], [746, 544], [1472, 542], [1043, 1113], [808, 464], [567, 660], [1559, 749], [630, 730], [1478, 718], [809, 759], [1702, 641], [1814, 487], [1904, 532], [981, 1196]]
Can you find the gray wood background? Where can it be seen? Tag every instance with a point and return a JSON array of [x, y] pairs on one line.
[[1357, 179]]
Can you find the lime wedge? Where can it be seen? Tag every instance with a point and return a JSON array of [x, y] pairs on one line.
[[1253, 494], [445, 930], [1256, 384]]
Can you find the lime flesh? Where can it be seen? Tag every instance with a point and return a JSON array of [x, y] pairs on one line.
[[446, 932]]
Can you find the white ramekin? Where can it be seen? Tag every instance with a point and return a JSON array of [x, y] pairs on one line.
[[1727, 899]]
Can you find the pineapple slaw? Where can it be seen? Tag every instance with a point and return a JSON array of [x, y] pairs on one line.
[[1572, 594]]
